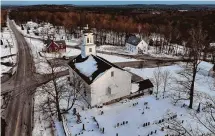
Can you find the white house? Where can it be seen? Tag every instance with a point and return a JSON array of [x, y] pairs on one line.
[[206, 69], [103, 81], [136, 45]]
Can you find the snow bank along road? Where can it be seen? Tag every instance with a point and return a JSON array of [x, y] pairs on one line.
[[18, 112]]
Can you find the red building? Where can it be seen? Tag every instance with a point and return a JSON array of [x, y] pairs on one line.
[[55, 46]]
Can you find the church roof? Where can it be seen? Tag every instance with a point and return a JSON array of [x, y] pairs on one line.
[[90, 67]]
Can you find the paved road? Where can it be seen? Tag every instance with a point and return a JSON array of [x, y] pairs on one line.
[[18, 114]]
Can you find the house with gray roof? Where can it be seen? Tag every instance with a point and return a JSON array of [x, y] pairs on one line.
[[135, 45]]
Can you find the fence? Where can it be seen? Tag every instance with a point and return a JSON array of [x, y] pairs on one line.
[[65, 126]]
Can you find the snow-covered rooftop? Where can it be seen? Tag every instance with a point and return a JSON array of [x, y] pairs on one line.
[[88, 67], [205, 66], [91, 67]]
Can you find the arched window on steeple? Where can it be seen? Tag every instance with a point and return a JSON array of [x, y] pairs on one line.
[[88, 40]]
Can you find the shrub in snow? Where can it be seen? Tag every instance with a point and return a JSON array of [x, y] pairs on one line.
[[1, 42], [162, 128], [155, 131], [78, 118], [117, 134]]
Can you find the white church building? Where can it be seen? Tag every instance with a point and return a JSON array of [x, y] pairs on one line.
[[103, 81], [135, 45]]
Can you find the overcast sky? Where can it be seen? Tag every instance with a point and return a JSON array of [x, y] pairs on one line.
[[103, 2]]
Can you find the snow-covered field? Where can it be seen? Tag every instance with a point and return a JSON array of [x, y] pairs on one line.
[[122, 50], [127, 117], [114, 58], [9, 47], [114, 49], [138, 115], [74, 52]]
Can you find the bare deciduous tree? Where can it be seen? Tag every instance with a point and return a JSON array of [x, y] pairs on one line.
[[157, 79], [197, 37], [182, 85], [166, 77], [59, 91], [205, 121]]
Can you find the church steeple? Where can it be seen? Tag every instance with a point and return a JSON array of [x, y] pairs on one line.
[[88, 46]]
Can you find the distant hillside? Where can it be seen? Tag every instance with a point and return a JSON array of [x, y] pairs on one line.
[[131, 6]]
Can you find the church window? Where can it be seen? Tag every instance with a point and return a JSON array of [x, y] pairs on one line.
[[112, 73], [108, 91], [90, 49], [87, 40]]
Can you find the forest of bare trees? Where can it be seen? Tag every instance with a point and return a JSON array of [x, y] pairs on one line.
[[173, 25]]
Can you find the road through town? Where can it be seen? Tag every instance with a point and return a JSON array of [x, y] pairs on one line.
[[18, 114]]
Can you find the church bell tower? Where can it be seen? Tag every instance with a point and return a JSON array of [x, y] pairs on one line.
[[88, 46]]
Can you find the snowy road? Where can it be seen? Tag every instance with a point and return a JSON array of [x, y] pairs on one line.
[[18, 112]]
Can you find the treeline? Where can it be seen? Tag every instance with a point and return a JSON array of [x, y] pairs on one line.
[[173, 25], [3, 18]]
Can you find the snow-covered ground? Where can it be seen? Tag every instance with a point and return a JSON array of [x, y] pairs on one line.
[[114, 58], [74, 52], [45, 29], [200, 79], [41, 64], [128, 116], [114, 49], [122, 50], [9, 42], [9, 47], [139, 114], [152, 52]]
